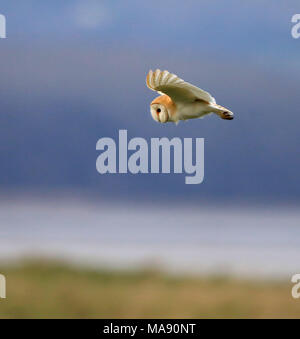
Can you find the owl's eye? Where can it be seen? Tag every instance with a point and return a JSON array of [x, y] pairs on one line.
[[158, 110]]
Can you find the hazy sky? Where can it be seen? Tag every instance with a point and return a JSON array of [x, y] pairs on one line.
[[72, 72]]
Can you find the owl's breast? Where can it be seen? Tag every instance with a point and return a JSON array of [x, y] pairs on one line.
[[191, 110]]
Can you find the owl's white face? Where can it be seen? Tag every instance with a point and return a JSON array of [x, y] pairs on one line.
[[159, 113]]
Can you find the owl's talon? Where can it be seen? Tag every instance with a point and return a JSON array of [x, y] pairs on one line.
[[227, 116]]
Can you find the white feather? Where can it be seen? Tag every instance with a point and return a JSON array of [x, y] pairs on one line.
[[179, 90]]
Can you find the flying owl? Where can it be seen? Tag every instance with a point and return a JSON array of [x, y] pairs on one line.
[[180, 100]]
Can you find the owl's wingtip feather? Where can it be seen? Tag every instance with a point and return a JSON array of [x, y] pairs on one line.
[[158, 78], [148, 79]]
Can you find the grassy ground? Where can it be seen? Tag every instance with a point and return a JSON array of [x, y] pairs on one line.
[[51, 290]]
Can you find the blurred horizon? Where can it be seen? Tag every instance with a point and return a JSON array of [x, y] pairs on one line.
[[241, 241]]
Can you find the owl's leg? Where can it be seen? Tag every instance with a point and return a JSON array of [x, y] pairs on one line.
[[222, 112]]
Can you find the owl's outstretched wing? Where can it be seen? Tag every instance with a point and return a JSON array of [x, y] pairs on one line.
[[176, 88]]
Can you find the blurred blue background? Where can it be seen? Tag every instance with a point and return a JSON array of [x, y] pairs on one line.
[[72, 72]]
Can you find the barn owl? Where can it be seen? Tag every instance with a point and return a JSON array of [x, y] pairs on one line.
[[180, 100]]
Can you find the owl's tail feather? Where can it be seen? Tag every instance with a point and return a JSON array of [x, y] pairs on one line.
[[222, 112]]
